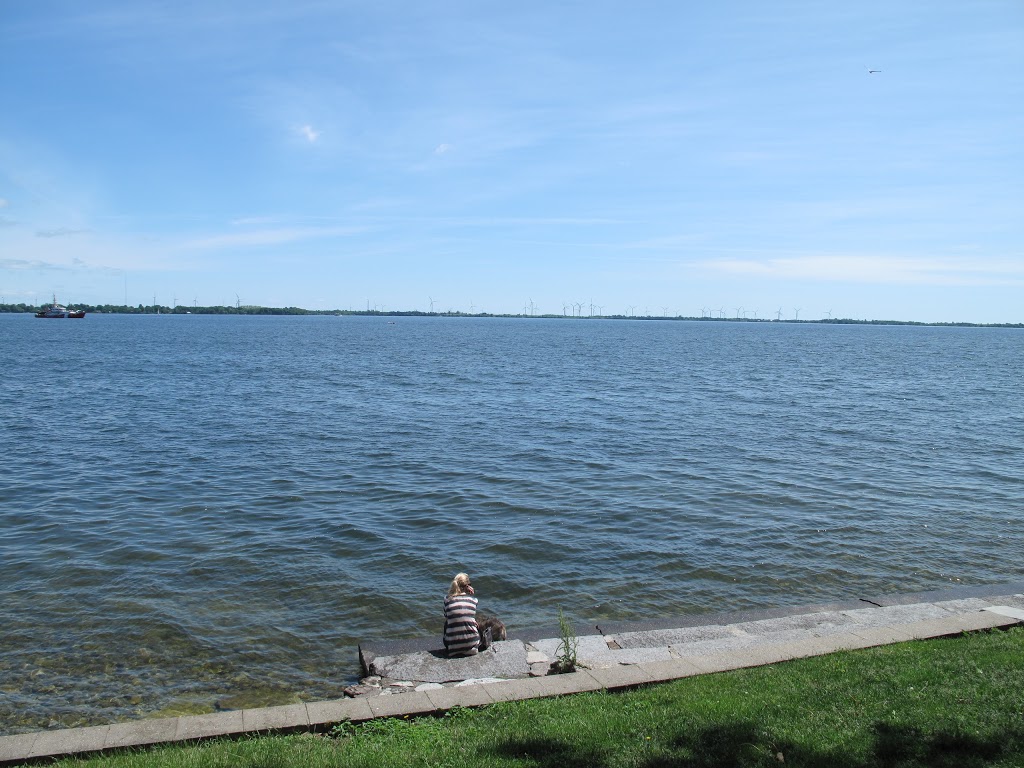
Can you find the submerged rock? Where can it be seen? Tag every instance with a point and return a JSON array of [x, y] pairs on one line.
[[354, 691]]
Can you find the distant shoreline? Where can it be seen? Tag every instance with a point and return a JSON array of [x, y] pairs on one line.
[[110, 309]]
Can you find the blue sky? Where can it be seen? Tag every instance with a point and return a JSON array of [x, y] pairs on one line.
[[660, 156]]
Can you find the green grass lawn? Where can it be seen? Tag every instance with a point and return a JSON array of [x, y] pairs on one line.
[[948, 702]]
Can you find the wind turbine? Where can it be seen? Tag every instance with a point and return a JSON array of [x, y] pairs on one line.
[[778, 315], [829, 313], [238, 302], [796, 313], [431, 304]]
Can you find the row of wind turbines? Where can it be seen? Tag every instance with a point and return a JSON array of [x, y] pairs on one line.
[[744, 314], [577, 308]]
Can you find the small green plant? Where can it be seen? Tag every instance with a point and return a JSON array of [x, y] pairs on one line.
[[565, 660], [342, 730]]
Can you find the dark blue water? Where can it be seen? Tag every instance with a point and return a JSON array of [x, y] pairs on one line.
[[201, 512]]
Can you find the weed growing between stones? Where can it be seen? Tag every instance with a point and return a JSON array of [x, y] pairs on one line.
[[565, 660]]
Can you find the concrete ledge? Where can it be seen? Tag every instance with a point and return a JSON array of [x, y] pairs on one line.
[[617, 678], [290, 716], [323, 713], [205, 726], [820, 646], [514, 690], [1006, 612], [580, 681], [724, 661], [141, 733], [930, 628], [399, 704], [762, 655], [673, 669], [727, 617], [71, 741], [882, 635], [955, 625], [16, 748], [464, 696]]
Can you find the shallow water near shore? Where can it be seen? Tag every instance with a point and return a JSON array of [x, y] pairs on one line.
[[202, 512]]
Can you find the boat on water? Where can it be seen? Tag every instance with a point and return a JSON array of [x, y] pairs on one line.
[[56, 310]]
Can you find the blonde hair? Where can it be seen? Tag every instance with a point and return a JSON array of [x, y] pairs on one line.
[[459, 585]]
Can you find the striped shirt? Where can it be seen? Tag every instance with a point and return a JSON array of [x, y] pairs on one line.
[[460, 632]]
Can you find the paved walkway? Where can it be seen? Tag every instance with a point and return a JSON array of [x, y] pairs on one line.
[[616, 656]]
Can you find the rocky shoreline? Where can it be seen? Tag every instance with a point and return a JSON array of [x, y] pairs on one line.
[[429, 670]]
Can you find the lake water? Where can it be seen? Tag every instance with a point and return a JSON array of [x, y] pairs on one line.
[[203, 511]]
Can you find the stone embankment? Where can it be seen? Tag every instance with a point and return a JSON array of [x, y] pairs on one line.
[[415, 678]]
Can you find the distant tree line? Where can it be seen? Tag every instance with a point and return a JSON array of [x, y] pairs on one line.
[[142, 309], [151, 309]]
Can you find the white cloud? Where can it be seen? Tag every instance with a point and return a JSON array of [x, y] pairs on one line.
[[442, 149], [3, 202], [310, 133]]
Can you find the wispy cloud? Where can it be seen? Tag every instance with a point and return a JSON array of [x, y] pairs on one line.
[[277, 236], [875, 269], [3, 202], [61, 232], [442, 149], [28, 264], [44, 264]]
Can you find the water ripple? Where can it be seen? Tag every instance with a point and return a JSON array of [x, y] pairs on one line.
[[230, 504]]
